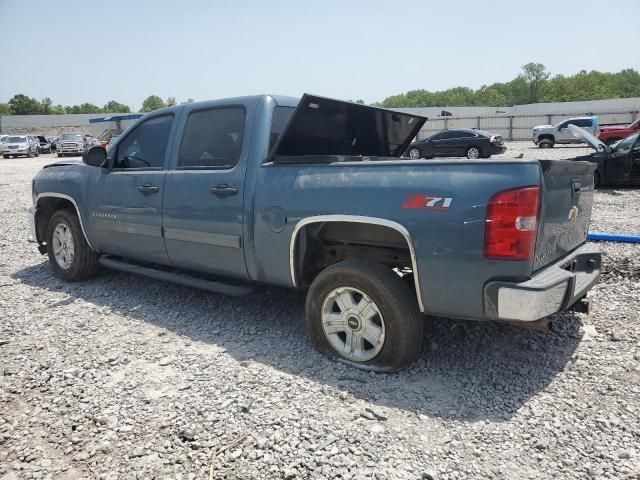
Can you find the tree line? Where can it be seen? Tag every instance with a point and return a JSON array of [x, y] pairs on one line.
[[534, 84], [21, 104]]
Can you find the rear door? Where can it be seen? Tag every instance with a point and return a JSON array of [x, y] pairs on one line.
[[565, 209], [622, 166], [203, 197]]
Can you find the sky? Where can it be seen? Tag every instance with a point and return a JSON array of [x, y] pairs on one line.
[[77, 51]]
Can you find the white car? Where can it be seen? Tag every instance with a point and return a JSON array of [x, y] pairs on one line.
[[20, 145]]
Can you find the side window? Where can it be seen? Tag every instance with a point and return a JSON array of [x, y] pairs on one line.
[[563, 125], [465, 135], [212, 138], [582, 122], [439, 136], [146, 145]]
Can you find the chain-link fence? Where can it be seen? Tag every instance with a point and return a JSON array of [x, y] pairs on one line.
[[516, 127]]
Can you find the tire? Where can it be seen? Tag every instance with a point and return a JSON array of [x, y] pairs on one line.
[[30, 154], [415, 153], [5, 156], [394, 319], [546, 143], [83, 262], [473, 152], [59, 155]]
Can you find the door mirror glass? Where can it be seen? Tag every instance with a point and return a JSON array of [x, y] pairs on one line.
[[94, 156]]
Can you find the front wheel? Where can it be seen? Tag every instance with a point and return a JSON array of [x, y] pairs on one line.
[[30, 154], [546, 143], [364, 314], [473, 152], [70, 256], [415, 154]]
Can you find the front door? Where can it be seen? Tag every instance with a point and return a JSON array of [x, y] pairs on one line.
[[203, 196], [126, 199], [619, 165]]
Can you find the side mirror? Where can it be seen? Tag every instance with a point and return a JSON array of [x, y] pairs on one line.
[[94, 156]]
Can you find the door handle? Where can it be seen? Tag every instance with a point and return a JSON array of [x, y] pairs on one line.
[[224, 190], [148, 188]]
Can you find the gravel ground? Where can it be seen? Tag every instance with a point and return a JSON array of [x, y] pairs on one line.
[[120, 378]]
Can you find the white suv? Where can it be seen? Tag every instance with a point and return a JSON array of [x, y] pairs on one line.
[[546, 136]]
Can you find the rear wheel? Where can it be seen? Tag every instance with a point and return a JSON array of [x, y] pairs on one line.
[[473, 152], [70, 256], [365, 314], [546, 143], [30, 154], [59, 155], [415, 153], [5, 156]]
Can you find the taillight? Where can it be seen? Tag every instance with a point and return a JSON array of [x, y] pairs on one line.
[[496, 139], [512, 223]]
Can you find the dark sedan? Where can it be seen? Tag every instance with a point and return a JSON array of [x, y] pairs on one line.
[[461, 142]]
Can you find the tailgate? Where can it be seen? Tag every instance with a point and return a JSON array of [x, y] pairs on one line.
[[565, 208]]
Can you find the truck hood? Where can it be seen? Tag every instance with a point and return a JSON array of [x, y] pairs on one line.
[[541, 127], [593, 142], [323, 126]]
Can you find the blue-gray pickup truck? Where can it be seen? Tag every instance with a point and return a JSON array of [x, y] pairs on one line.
[[313, 193]]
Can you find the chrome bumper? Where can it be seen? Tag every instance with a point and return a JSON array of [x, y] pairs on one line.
[[553, 289], [32, 224]]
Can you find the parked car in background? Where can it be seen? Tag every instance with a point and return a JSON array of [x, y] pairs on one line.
[[460, 142], [44, 146], [610, 134], [546, 136], [54, 143], [20, 145], [70, 144], [618, 164], [3, 138]]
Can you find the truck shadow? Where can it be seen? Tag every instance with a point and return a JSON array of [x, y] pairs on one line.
[[470, 370]]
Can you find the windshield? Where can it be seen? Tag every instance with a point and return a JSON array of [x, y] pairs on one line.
[[625, 144], [16, 139], [71, 136]]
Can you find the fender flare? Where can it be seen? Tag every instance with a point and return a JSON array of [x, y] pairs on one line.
[[356, 219], [75, 205]]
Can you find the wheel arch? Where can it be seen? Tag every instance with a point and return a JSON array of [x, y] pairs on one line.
[[547, 136], [296, 260], [50, 202]]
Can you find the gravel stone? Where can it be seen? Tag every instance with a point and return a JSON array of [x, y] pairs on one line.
[[94, 378]]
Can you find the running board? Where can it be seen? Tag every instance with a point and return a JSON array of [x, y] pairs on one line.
[[181, 279]]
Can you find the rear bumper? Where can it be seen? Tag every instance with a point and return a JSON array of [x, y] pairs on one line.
[[553, 289]]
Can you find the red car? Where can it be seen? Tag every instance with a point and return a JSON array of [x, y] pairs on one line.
[[612, 133]]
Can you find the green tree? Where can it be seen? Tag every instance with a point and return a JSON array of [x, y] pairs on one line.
[[535, 75], [171, 101], [115, 107], [90, 108], [152, 102], [45, 106], [58, 110], [5, 109], [22, 105]]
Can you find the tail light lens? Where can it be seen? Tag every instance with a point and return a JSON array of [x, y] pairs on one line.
[[496, 139], [512, 224]]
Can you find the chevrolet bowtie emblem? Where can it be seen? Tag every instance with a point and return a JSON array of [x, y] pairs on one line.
[[573, 213]]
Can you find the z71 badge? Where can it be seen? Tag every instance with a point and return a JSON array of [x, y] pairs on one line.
[[427, 202]]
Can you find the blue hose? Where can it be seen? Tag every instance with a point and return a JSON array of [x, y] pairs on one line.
[[612, 237]]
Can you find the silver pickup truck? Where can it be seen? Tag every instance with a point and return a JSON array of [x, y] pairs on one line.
[[546, 136], [312, 194]]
